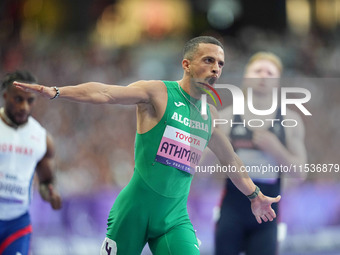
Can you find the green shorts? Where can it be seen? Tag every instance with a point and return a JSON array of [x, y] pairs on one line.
[[140, 215]]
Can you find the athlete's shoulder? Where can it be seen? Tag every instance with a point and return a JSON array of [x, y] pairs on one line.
[[296, 133], [32, 121], [213, 111], [150, 85], [35, 124], [226, 112], [293, 115]]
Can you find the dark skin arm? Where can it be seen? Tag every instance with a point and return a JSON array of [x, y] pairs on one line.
[[45, 176]]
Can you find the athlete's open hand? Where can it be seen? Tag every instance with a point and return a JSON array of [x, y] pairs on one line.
[[261, 207], [48, 92]]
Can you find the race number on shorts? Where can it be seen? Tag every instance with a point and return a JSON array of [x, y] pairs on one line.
[[109, 247]]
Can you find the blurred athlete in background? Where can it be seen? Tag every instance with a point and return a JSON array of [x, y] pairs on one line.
[[25, 148], [271, 144]]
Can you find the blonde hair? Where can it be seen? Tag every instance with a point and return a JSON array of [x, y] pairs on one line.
[[264, 55]]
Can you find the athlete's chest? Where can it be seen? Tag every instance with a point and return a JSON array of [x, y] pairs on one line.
[[187, 117], [21, 143]]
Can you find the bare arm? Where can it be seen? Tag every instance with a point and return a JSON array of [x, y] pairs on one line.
[[220, 145], [45, 175], [296, 150], [95, 92], [149, 96]]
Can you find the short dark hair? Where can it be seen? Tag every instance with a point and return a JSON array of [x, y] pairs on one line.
[[18, 75], [191, 46]]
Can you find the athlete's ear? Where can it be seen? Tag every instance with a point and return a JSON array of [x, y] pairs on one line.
[[186, 65]]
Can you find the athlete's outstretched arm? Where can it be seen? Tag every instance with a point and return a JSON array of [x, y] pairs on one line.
[[220, 145], [95, 92]]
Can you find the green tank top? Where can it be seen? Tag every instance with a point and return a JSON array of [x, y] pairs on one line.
[[166, 155]]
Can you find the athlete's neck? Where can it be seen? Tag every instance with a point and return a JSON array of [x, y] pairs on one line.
[[189, 89], [6, 119]]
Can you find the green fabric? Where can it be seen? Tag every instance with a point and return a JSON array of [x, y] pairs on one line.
[[153, 206], [139, 215], [165, 180], [180, 240]]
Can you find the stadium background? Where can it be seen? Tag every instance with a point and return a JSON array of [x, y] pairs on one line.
[[117, 42]]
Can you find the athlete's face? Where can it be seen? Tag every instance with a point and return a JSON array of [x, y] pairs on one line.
[[206, 64], [262, 75], [18, 104]]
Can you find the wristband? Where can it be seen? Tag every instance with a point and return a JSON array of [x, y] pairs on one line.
[[57, 93], [255, 193]]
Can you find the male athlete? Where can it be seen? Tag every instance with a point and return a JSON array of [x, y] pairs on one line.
[[25, 147], [269, 145], [171, 135]]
